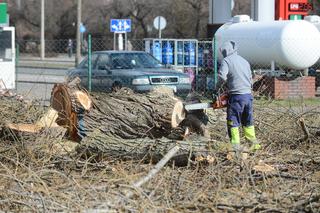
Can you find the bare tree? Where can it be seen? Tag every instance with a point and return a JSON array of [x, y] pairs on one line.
[[241, 7], [198, 14], [189, 18], [140, 11], [316, 7], [53, 12], [185, 18], [27, 21]]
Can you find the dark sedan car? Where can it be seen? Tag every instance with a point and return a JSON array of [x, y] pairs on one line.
[[137, 70]]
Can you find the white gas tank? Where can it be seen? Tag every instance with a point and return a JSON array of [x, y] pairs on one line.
[[313, 19], [290, 44]]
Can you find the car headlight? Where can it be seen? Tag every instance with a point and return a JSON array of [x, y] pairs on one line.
[[184, 80], [139, 81]]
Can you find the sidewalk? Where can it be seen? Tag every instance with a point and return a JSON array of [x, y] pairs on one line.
[[61, 61]]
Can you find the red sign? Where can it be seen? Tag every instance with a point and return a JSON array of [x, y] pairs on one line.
[[300, 7]]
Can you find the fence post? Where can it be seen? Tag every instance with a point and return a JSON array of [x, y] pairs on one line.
[[215, 55], [89, 62]]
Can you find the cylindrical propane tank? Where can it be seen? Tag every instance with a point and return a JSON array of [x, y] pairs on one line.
[[315, 20], [290, 44]]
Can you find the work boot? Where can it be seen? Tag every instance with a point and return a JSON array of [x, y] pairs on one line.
[[255, 146], [249, 134], [235, 153], [237, 149], [234, 136]]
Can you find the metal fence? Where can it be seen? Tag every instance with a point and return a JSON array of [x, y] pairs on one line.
[[187, 65]]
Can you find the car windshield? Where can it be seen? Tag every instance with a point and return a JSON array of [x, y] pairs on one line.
[[133, 60]]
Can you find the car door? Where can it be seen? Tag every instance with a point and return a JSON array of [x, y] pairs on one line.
[[104, 72]]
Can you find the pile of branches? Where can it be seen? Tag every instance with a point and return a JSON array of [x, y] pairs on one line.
[[49, 173], [17, 110], [14, 109]]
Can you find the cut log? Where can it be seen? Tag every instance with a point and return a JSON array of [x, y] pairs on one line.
[[46, 126], [122, 114], [101, 145], [48, 120], [128, 115], [83, 99], [69, 100], [31, 128]]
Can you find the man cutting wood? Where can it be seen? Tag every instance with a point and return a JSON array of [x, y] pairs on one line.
[[235, 71]]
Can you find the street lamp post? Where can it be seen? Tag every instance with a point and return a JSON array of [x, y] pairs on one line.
[[18, 4], [78, 55], [42, 54]]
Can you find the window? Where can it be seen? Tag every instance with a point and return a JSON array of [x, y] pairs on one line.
[[84, 63], [103, 61], [5, 46], [134, 60]]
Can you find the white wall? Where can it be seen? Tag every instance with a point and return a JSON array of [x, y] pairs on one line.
[[263, 10]]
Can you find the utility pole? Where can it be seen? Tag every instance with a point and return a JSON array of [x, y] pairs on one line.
[[42, 31], [18, 4], [78, 55]]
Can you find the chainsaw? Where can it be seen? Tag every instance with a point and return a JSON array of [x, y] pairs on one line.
[[219, 101]]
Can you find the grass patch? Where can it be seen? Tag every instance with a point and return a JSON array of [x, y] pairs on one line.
[[289, 102]]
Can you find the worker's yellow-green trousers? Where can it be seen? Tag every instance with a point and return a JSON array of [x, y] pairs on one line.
[[249, 134]]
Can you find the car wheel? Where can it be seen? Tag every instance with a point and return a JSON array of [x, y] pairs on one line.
[[116, 86]]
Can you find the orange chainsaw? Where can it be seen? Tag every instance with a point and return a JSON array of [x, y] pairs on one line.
[[219, 101]]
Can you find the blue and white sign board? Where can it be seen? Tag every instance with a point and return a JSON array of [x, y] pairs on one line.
[[120, 25]]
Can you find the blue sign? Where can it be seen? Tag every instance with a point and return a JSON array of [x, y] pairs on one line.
[[82, 28], [120, 25]]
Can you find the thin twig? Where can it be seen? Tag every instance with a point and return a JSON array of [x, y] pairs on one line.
[[304, 129]]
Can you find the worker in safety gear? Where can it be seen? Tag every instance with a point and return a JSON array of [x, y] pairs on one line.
[[235, 71]]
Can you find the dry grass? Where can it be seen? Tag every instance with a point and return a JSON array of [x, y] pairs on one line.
[[43, 173]]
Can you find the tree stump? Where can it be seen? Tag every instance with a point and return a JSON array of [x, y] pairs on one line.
[[69, 100]]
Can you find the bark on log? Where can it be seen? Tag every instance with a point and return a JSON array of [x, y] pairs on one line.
[[101, 145], [123, 114], [128, 115]]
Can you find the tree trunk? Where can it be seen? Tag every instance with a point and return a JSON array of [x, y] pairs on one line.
[[129, 115], [101, 145], [128, 124], [122, 114]]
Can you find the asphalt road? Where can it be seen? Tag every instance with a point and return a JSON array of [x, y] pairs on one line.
[[37, 83]]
